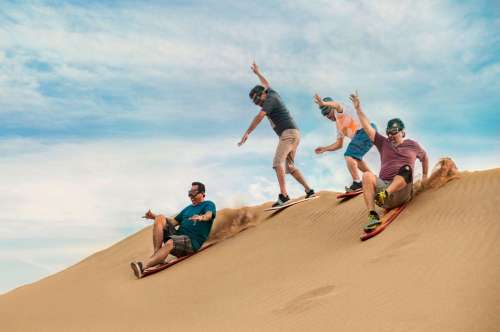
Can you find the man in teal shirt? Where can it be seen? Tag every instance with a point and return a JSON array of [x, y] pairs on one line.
[[194, 224]]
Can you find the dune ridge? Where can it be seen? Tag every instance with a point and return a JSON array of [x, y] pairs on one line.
[[436, 268]]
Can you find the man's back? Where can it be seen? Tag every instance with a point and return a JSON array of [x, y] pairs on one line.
[[278, 114]]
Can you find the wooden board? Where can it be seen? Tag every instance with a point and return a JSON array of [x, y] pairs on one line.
[[290, 203]]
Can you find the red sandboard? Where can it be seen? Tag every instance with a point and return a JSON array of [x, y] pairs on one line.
[[160, 267], [350, 194], [387, 219]]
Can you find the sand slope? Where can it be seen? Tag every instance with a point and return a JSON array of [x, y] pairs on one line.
[[436, 268]]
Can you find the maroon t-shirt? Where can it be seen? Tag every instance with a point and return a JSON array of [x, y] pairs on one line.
[[392, 158]]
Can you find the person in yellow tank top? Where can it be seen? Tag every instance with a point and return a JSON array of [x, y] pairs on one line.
[[347, 126]]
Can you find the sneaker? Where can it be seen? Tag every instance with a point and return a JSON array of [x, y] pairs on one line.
[[137, 268], [373, 222], [310, 193], [380, 197], [355, 186], [281, 200]]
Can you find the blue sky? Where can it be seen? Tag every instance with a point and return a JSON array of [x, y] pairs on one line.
[[110, 108]]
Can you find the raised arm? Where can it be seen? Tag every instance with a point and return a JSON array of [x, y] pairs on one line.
[[362, 117], [318, 100], [255, 122], [257, 72]]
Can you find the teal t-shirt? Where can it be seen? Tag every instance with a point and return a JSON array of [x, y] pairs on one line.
[[197, 231]]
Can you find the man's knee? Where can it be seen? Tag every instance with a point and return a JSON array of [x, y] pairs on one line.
[[290, 169], [160, 220], [169, 245], [369, 177], [406, 173]]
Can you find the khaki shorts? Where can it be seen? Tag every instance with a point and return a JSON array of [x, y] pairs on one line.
[[395, 199], [287, 147]]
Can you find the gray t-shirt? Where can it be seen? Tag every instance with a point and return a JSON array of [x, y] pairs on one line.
[[277, 113]]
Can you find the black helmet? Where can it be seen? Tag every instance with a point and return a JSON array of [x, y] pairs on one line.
[[395, 125]]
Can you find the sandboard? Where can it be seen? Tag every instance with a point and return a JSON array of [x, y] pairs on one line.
[[387, 219], [349, 194], [166, 265], [276, 208]]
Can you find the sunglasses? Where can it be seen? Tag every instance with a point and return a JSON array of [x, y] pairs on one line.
[[193, 194], [392, 132]]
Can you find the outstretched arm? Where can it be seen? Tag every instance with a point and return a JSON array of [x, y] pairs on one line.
[[258, 118], [257, 72], [152, 216], [362, 117], [332, 147]]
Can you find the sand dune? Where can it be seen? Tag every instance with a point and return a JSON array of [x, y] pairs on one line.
[[437, 268]]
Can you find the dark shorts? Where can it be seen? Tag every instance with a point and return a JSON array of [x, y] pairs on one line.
[[182, 243], [360, 144]]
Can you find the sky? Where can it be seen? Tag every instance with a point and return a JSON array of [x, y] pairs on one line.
[[109, 108]]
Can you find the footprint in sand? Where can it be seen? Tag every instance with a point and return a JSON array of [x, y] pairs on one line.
[[307, 300]]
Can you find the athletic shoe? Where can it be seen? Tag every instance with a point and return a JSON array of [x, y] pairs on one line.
[[355, 186], [373, 222], [281, 200], [137, 268], [310, 193], [380, 198]]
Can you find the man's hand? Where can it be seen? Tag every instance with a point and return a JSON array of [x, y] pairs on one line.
[[243, 139], [355, 100], [149, 215], [319, 150], [255, 68], [197, 217], [318, 100]]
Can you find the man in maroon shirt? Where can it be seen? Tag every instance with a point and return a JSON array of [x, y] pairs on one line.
[[394, 185]]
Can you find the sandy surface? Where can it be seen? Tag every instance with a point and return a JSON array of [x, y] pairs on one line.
[[436, 268]]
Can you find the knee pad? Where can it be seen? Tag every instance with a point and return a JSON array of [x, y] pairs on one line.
[[407, 173]]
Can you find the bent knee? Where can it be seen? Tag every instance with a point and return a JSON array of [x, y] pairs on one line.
[[169, 244], [369, 177], [160, 219]]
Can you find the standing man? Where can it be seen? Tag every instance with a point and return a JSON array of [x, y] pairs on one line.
[[195, 223], [394, 185], [272, 106], [347, 126]]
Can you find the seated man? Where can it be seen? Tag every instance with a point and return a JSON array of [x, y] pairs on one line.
[[394, 186], [346, 125], [195, 223]]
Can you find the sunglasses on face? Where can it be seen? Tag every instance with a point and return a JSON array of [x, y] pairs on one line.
[[192, 193], [393, 133]]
